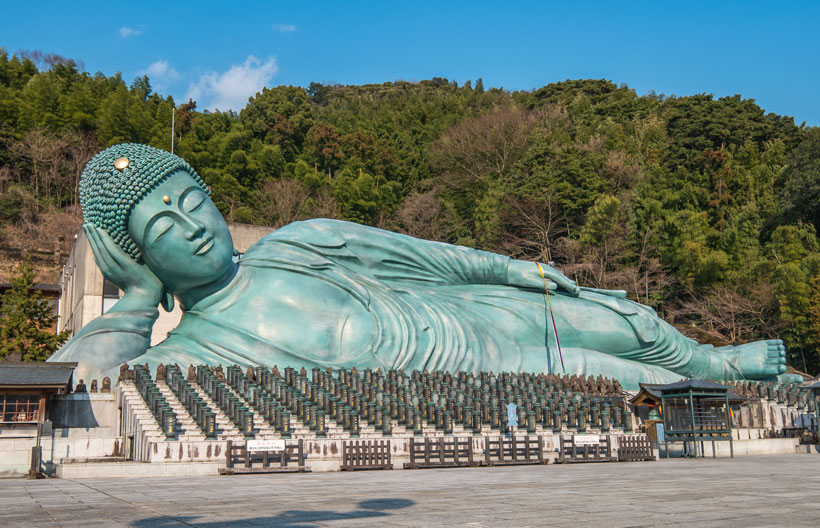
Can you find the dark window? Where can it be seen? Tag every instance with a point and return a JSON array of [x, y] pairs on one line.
[[110, 289], [19, 407], [111, 294]]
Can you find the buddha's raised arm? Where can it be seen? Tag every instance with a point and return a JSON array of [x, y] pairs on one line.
[[396, 257], [124, 332], [108, 341]]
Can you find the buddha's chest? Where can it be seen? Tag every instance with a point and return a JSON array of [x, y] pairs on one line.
[[304, 314]]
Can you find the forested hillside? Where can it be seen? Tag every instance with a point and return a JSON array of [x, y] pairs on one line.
[[706, 209]]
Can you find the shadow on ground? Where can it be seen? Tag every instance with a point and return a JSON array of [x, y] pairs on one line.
[[368, 509]]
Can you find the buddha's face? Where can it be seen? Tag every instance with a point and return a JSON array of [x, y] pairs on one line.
[[181, 234]]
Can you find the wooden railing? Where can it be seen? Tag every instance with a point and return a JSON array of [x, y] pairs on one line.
[[366, 454], [633, 448], [239, 459], [440, 452], [585, 449], [513, 450]]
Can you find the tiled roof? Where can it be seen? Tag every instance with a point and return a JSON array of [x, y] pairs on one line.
[[30, 374]]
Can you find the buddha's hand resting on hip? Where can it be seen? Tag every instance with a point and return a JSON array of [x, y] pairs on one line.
[[527, 275]]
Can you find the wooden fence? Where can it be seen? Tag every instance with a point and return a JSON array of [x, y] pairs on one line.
[[633, 448], [502, 451], [366, 454], [238, 459], [441, 452], [585, 451]]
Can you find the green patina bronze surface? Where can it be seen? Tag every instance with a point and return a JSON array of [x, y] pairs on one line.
[[331, 293]]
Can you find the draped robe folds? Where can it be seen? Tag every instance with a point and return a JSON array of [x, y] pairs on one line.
[[431, 306]]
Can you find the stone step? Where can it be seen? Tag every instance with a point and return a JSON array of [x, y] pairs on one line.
[[297, 427], [224, 427], [187, 428], [136, 469], [146, 423], [259, 423]]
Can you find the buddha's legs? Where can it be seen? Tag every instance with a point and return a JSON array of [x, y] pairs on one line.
[[591, 362], [586, 326]]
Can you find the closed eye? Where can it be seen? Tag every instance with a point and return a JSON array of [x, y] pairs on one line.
[[197, 206], [193, 200], [160, 228]]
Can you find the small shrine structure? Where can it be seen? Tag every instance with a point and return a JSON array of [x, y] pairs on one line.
[[696, 411]]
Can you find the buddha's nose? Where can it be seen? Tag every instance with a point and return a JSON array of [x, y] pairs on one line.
[[193, 229]]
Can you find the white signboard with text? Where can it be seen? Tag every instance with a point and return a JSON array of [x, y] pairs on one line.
[[265, 445], [586, 439]]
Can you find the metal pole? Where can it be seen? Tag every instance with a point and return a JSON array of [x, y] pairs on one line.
[[692, 411], [729, 426]]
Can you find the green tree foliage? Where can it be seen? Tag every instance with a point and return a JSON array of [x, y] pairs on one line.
[[26, 320], [801, 197], [705, 208]]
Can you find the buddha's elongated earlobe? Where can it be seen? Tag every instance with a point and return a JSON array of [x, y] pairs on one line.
[[235, 252], [167, 300]]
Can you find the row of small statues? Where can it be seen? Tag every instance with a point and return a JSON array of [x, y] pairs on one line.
[[599, 386], [745, 389], [752, 389], [106, 386]]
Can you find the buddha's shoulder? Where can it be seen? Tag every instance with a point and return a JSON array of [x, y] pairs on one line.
[[324, 232]]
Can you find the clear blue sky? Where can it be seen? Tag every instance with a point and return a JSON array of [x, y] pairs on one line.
[[222, 52]]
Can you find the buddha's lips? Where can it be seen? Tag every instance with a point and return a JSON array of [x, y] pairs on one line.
[[205, 246]]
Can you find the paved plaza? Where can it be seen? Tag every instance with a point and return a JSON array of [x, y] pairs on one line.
[[751, 491]]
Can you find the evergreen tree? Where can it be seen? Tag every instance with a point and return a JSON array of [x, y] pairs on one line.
[[26, 321]]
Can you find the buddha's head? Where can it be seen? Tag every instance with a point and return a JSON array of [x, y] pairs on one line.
[[158, 210]]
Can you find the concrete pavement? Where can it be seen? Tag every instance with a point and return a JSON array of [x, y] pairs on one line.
[[779, 490]]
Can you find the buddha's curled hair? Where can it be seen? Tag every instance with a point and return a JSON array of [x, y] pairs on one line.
[[108, 194]]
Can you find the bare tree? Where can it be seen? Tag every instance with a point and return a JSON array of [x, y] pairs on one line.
[[282, 201], [233, 203], [42, 151], [531, 226], [45, 60], [51, 164], [621, 170], [596, 265], [421, 215], [487, 147], [80, 148], [650, 277], [728, 313]]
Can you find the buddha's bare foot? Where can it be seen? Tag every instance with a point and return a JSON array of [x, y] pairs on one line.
[[757, 360], [788, 378]]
